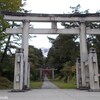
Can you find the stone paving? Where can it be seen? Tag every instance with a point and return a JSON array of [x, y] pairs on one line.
[[50, 94], [48, 85]]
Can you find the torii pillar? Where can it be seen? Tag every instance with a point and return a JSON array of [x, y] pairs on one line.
[[83, 52], [25, 38]]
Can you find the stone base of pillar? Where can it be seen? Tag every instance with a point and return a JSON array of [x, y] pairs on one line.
[[23, 90], [83, 88], [26, 88], [17, 90], [94, 90]]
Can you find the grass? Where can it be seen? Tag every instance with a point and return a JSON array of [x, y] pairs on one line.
[[62, 85], [36, 84], [5, 83]]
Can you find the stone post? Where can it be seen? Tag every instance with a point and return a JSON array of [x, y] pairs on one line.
[[93, 70], [25, 38], [78, 74], [18, 70], [83, 51], [53, 73], [41, 73], [28, 75]]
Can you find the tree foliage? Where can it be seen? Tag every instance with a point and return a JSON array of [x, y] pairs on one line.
[[7, 5], [11, 5], [35, 56], [65, 48], [6, 68], [36, 60]]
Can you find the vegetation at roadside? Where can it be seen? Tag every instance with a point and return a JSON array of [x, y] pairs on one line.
[[36, 84], [63, 85], [5, 83]]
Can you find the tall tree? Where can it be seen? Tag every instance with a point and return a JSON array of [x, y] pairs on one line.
[[64, 49], [11, 6], [36, 60]]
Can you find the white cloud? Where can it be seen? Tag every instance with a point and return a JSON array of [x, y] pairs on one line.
[[41, 41], [60, 6]]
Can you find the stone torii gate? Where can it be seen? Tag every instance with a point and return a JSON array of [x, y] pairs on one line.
[[47, 71], [82, 30]]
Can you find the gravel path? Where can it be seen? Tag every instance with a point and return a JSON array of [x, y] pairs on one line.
[[48, 85], [50, 94]]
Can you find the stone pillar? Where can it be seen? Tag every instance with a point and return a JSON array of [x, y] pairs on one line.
[[83, 51], [53, 73], [93, 70], [18, 70], [40, 73], [78, 74], [28, 75], [25, 38]]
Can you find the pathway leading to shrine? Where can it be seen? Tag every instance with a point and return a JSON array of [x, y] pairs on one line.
[[50, 94], [48, 85]]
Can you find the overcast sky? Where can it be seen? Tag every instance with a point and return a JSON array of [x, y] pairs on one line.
[[56, 6]]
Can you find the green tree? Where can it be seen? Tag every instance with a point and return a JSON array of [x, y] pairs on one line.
[[11, 6], [67, 71], [64, 49], [35, 56], [7, 68], [36, 60]]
